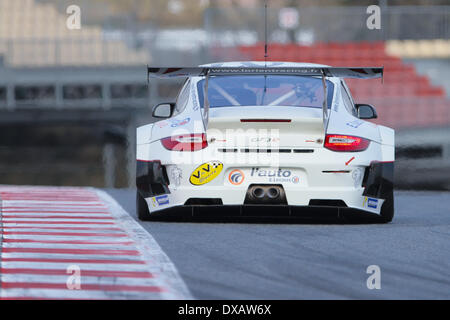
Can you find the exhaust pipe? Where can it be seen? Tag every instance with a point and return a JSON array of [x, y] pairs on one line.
[[265, 194], [273, 192], [258, 193]]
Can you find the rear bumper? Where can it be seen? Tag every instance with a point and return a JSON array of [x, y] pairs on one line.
[[263, 213], [364, 197]]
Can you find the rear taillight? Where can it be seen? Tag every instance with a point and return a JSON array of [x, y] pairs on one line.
[[185, 142], [338, 142]]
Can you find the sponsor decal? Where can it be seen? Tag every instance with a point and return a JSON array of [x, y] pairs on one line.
[[236, 177], [195, 104], [176, 174], [265, 140], [161, 124], [357, 175], [355, 123], [275, 175], [178, 122], [370, 202], [160, 200], [351, 159], [336, 106], [206, 173]]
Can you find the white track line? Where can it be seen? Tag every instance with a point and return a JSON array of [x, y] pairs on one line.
[[148, 246], [43, 230]]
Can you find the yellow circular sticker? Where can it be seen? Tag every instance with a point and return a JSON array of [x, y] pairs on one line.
[[206, 173]]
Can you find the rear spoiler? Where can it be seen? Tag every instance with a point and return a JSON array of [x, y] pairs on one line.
[[341, 72]]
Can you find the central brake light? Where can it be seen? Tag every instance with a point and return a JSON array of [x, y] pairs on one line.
[[344, 143], [265, 120], [185, 142]]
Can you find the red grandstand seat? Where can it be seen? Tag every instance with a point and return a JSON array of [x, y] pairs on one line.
[[406, 98]]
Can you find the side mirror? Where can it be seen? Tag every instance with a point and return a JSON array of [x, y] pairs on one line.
[[366, 111], [163, 110]]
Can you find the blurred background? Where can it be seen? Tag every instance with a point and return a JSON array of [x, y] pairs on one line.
[[71, 98]]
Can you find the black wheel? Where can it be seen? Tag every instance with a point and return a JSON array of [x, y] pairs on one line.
[[387, 210], [141, 207]]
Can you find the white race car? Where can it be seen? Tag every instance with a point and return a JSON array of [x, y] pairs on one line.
[[268, 140]]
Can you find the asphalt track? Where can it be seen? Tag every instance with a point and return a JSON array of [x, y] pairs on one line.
[[326, 261]]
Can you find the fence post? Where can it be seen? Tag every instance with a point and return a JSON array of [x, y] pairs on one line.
[[109, 165], [131, 152], [10, 99]]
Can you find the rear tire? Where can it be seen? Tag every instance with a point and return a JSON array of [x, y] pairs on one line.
[[387, 210], [141, 207]]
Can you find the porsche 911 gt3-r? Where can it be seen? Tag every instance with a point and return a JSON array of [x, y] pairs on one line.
[[265, 140]]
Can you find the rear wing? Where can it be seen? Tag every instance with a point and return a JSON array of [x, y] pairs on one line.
[[341, 72]]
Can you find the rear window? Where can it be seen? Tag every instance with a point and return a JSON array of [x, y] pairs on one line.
[[291, 91]]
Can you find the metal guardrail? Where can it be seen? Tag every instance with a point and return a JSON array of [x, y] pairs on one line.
[[79, 88]]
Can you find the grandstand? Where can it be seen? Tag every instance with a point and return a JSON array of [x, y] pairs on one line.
[[419, 49], [35, 34], [405, 98]]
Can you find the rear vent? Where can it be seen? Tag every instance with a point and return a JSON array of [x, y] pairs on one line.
[[247, 150], [228, 150], [203, 202], [303, 150], [266, 150], [327, 203], [336, 171]]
